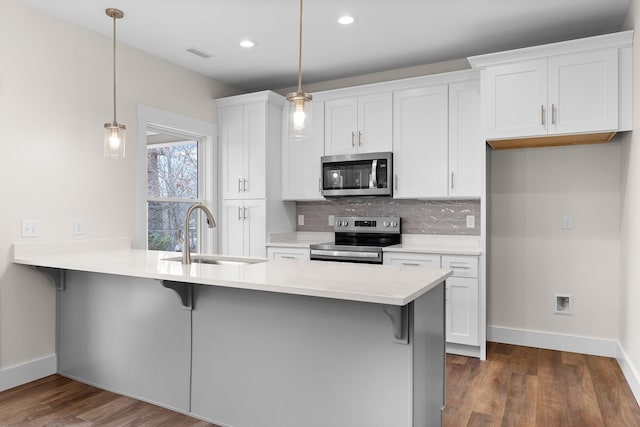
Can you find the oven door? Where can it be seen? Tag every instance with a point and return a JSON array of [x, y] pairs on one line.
[[362, 254], [368, 174]]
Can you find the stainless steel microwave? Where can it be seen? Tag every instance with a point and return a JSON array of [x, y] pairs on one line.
[[367, 174]]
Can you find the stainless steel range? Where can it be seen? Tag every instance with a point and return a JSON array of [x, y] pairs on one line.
[[359, 239]]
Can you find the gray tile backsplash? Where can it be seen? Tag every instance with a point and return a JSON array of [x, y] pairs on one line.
[[418, 216]]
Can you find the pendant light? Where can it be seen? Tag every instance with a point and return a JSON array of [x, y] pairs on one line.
[[299, 120], [114, 133]]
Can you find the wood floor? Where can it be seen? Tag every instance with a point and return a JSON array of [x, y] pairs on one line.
[[515, 387], [524, 386]]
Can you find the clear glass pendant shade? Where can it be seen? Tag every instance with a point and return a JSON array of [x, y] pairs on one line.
[[114, 140], [300, 116]]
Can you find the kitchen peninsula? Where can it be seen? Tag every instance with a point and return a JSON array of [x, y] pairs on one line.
[[249, 342]]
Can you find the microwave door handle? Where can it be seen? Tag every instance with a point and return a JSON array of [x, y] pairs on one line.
[[374, 174]]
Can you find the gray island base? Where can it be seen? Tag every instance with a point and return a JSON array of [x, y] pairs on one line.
[[246, 358]]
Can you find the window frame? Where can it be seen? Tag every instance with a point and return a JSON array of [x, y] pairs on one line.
[[206, 135]]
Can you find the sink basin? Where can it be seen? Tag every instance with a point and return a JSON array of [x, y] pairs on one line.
[[218, 260]]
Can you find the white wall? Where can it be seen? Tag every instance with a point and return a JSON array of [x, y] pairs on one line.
[[55, 96], [531, 257], [630, 228]]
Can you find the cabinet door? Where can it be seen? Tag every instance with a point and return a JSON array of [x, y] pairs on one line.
[[341, 121], [231, 125], [301, 172], [255, 228], [466, 144], [232, 225], [420, 127], [462, 310], [254, 156], [583, 92], [375, 118], [514, 99]]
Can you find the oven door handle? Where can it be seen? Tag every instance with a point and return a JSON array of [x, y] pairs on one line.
[[336, 253]]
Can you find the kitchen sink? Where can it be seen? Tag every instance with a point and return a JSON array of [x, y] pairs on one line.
[[218, 260]]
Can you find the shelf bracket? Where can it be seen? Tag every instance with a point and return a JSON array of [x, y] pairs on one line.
[[184, 291], [57, 276], [399, 316]]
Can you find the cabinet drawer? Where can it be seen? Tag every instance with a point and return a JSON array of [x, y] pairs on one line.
[[287, 253], [462, 266], [414, 259]]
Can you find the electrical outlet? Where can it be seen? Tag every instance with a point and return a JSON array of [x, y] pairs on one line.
[[332, 219], [30, 228], [567, 222], [300, 219], [471, 221]]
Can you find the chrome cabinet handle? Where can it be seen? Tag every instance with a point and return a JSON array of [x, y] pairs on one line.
[[553, 114], [395, 182], [542, 114], [359, 138], [353, 139], [239, 216], [245, 188], [239, 185], [287, 257], [320, 185], [244, 213], [452, 187], [413, 264]]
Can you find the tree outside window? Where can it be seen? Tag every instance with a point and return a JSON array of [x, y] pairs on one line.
[[172, 186]]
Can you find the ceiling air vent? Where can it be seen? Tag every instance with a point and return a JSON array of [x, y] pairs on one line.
[[199, 52]]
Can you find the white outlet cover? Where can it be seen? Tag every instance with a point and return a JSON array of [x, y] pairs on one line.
[[471, 221], [300, 219]]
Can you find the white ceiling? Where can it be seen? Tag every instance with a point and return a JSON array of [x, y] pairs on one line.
[[387, 34]]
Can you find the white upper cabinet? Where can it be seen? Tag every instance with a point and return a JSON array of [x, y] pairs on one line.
[[466, 144], [578, 87], [358, 124], [243, 134], [515, 98], [301, 172], [420, 128], [583, 92]]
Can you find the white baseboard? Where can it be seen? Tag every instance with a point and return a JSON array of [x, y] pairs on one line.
[[551, 341], [14, 376], [629, 371]]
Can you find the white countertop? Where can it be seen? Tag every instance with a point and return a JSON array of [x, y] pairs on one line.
[[381, 284]]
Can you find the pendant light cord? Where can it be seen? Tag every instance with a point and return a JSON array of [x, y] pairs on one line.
[[300, 53], [114, 68]]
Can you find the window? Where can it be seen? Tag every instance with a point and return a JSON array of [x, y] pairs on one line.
[[173, 172], [176, 160]]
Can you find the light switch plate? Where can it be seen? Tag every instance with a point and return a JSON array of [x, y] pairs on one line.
[[567, 222], [300, 219], [78, 228]]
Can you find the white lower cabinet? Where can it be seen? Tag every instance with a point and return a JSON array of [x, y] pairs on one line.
[[462, 323], [462, 299], [287, 252], [244, 227]]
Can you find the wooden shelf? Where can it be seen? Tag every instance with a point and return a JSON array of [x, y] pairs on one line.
[[551, 141]]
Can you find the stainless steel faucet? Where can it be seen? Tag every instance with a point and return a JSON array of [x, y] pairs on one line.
[[211, 222]]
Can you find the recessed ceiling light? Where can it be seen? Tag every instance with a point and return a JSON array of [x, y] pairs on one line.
[[346, 20], [247, 43]]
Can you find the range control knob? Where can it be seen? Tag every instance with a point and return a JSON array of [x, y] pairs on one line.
[[338, 223], [385, 224], [345, 223], [394, 224]]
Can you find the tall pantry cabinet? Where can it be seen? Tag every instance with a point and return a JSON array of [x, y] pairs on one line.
[[250, 144]]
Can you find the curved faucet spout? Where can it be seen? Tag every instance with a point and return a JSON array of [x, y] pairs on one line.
[[211, 222]]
